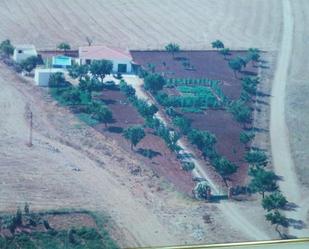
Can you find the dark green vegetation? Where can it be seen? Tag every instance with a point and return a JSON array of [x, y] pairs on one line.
[[6, 48], [80, 98], [29, 230], [134, 134], [64, 46]]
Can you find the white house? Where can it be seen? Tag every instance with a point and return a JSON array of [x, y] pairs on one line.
[[121, 59], [42, 75], [22, 52]]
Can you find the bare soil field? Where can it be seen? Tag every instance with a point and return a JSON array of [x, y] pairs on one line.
[[213, 66], [192, 24], [163, 162], [205, 64], [43, 174]]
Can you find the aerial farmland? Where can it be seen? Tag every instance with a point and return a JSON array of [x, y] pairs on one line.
[[152, 123]]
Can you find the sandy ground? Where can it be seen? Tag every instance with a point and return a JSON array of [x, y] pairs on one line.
[[281, 152], [43, 175], [142, 23], [62, 143]]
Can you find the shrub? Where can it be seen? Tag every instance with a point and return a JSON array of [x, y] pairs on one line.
[[217, 44], [246, 136], [201, 190], [202, 139], [154, 82], [187, 166], [127, 89], [72, 96], [6, 48], [240, 111], [183, 124], [29, 64], [56, 80]]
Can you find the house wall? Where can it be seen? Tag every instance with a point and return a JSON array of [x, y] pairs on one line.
[[41, 78], [18, 57], [115, 64]]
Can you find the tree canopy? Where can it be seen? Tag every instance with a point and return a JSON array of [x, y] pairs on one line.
[[256, 158], [224, 52], [56, 80], [29, 64], [100, 112], [154, 82], [263, 181], [6, 47], [275, 201], [100, 68], [217, 44], [78, 71], [134, 134], [202, 139], [224, 167], [172, 48], [64, 46], [277, 219], [236, 65], [240, 111]]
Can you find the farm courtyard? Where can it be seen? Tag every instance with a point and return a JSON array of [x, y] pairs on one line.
[[145, 190]]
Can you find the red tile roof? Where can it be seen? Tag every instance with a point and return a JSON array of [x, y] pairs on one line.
[[103, 52]]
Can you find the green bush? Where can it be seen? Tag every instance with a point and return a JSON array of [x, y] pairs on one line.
[[187, 166]]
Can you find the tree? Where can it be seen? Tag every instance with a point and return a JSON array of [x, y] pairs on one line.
[[154, 82], [29, 64], [274, 201], [101, 113], [246, 136], [202, 139], [78, 71], [187, 166], [100, 68], [172, 48], [225, 52], [128, 90], [277, 219], [89, 40], [262, 181], [236, 65], [183, 124], [89, 85], [6, 48], [256, 158], [64, 46], [224, 167], [56, 80], [240, 111], [72, 96], [249, 84], [217, 44], [134, 134], [254, 54]]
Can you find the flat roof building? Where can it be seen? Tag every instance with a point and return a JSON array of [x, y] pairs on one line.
[[22, 52]]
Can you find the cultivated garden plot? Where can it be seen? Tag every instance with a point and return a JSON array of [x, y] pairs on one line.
[[199, 94]]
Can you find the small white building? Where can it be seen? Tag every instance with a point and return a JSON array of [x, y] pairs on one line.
[[42, 75], [121, 59], [22, 52]]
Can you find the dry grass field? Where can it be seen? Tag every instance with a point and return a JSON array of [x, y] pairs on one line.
[[142, 23], [143, 214]]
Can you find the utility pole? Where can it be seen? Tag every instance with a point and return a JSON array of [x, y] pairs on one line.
[[30, 131]]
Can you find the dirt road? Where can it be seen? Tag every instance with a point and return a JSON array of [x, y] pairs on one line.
[[280, 144], [232, 213]]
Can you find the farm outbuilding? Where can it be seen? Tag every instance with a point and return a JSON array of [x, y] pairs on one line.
[[42, 75], [22, 52], [121, 59]]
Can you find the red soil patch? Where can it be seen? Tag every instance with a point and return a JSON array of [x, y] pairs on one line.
[[210, 65], [164, 163], [226, 129], [206, 64]]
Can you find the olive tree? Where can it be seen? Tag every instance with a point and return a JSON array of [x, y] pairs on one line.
[[100, 68], [256, 158], [278, 220], [224, 167], [274, 201], [172, 48], [64, 46], [217, 44], [154, 82], [29, 64], [134, 134]]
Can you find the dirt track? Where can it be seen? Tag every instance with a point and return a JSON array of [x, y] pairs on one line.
[[280, 144]]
